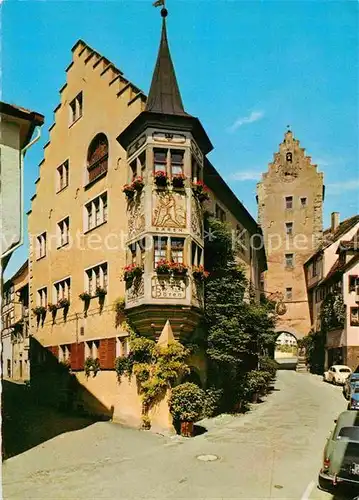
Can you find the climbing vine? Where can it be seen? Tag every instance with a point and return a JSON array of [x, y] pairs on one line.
[[332, 314]]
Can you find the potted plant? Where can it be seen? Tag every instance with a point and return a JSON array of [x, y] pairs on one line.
[[63, 303], [131, 272], [163, 267], [91, 365], [256, 382], [186, 405], [39, 311], [85, 296], [146, 422], [199, 273], [161, 178], [101, 292], [138, 184], [178, 181], [129, 191], [178, 269], [200, 190], [52, 307]]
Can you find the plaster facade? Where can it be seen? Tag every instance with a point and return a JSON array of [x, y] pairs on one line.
[[290, 202]]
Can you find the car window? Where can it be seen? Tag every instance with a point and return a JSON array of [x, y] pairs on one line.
[[349, 433], [344, 370]]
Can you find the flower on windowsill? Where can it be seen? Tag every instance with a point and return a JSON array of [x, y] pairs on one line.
[[200, 190], [161, 178], [138, 184], [199, 273], [178, 269], [85, 296], [101, 292], [131, 272], [178, 180], [39, 310], [163, 267], [129, 191], [63, 303]]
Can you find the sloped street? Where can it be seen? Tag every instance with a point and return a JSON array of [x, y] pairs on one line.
[[274, 451]]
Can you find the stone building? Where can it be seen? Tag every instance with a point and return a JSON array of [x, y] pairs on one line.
[[290, 203], [120, 190], [15, 326], [332, 275]]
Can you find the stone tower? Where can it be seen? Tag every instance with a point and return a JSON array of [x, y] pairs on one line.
[[290, 204]]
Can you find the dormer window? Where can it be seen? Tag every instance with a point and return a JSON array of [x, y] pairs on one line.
[[288, 157], [97, 157]]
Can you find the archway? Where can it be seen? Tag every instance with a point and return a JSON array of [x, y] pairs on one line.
[[286, 350]]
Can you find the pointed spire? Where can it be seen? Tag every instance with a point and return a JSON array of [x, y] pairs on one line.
[[164, 96], [166, 336]]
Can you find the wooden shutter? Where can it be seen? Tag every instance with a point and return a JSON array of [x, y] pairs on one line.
[[77, 358], [107, 353]]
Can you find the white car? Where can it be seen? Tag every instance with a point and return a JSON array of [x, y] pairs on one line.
[[337, 374]]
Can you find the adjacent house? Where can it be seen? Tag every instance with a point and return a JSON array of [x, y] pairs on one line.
[[332, 275], [119, 199], [15, 331]]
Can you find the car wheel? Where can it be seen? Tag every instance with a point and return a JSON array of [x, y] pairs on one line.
[[324, 484]]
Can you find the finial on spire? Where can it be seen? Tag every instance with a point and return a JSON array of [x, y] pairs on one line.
[[164, 12]]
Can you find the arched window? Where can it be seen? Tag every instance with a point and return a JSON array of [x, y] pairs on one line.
[[97, 157]]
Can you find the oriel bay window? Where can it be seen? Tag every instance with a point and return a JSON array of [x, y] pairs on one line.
[[177, 248], [196, 257], [168, 248], [160, 160], [96, 277], [159, 248], [171, 158], [138, 167], [176, 162]]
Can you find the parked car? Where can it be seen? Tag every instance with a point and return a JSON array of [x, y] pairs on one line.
[[349, 384], [337, 374], [353, 403], [341, 454]]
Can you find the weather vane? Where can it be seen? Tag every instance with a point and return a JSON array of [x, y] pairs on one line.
[[161, 3]]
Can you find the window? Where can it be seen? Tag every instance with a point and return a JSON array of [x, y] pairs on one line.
[[76, 108], [42, 297], [63, 228], [220, 213], [41, 246], [289, 228], [96, 212], [241, 239], [97, 157], [303, 202], [289, 202], [65, 353], [319, 294], [289, 293], [177, 162], [197, 253], [160, 160], [160, 248], [133, 253], [62, 289], [196, 170], [122, 346], [353, 283], [62, 176], [354, 316], [91, 349], [177, 246], [289, 260], [289, 156], [8, 365], [96, 277], [315, 269], [133, 170]]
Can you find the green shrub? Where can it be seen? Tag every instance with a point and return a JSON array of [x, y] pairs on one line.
[[186, 402], [268, 364], [123, 366], [211, 402]]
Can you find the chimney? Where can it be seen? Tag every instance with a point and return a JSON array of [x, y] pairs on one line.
[[335, 221]]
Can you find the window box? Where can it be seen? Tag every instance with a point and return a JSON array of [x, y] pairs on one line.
[[163, 267], [200, 190], [178, 181], [138, 184], [63, 303], [161, 178], [85, 296], [132, 272], [178, 269], [199, 273], [101, 292]]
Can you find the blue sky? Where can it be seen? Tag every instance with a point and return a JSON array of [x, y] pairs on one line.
[[245, 68]]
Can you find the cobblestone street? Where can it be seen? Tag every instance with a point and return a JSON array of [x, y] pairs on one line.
[[274, 451]]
